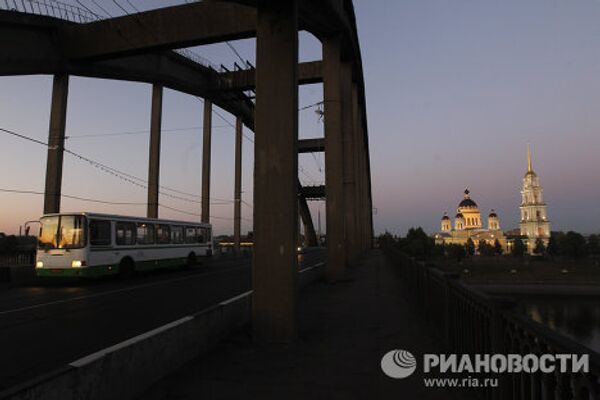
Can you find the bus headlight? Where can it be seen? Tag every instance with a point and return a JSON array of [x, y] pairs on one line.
[[77, 264], [39, 264]]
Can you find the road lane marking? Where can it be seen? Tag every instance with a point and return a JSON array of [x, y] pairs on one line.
[[231, 300], [312, 267], [126, 289]]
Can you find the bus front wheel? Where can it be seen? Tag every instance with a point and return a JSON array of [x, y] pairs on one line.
[[126, 268], [191, 260]]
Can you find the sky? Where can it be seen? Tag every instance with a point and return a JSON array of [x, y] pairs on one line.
[[455, 91]]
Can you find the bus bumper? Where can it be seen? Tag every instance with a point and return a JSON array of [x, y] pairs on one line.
[[87, 272]]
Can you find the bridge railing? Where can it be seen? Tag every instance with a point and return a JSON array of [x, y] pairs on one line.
[[69, 12], [466, 321], [50, 8], [18, 259]]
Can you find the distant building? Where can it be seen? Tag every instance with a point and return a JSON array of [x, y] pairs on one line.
[[468, 224], [533, 224], [534, 216]]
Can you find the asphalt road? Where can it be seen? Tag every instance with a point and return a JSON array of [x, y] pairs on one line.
[[44, 327]]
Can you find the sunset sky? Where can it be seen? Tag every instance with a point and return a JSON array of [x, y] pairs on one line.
[[455, 91]]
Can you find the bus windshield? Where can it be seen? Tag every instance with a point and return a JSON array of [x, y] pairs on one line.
[[62, 232]]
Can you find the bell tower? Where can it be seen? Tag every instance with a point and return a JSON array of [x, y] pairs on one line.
[[534, 218]]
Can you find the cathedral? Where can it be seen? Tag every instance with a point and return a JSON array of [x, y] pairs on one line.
[[467, 223]]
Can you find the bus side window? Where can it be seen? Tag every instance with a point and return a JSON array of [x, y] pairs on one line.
[[163, 234], [200, 235], [190, 234], [100, 233], [145, 234], [125, 233], [177, 234]]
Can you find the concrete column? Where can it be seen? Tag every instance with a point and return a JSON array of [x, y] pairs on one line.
[[363, 176], [366, 209], [358, 172], [56, 144], [237, 191], [275, 262], [369, 197], [206, 152], [348, 139], [154, 164], [334, 158]]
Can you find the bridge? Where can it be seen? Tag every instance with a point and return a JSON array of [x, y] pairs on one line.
[[114, 339], [49, 37]]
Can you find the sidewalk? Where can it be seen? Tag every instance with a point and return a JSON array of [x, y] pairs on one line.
[[344, 330]]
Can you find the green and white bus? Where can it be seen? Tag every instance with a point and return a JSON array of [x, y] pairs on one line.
[[93, 245]]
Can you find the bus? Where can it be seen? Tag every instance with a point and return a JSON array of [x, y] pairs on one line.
[[94, 245]]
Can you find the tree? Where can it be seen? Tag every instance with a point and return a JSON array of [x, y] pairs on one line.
[[553, 248], [573, 245], [455, 251], [484, 248], [470, 247], [593, 244], [539, 248], [417, 243], [518, 249], [498, 247], [385, 240], [438, 250]]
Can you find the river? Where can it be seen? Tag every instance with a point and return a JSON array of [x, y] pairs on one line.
[[575, 317]]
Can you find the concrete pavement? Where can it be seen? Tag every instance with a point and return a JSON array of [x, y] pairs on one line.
[[344, 330]]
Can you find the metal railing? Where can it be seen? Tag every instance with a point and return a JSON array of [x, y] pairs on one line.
[[50, 8], [68, 12], [17, 259], [198, 59], [466, 321]]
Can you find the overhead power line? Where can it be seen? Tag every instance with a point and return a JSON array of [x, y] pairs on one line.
[[118, 203], [132, 6], [68, 196], [129, 178], [121, 7], [318, 103], [199, 215], [101, 8], [173, 130], [234, 50]]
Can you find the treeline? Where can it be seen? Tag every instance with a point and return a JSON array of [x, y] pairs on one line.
[[573, 245], [418, 244]]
